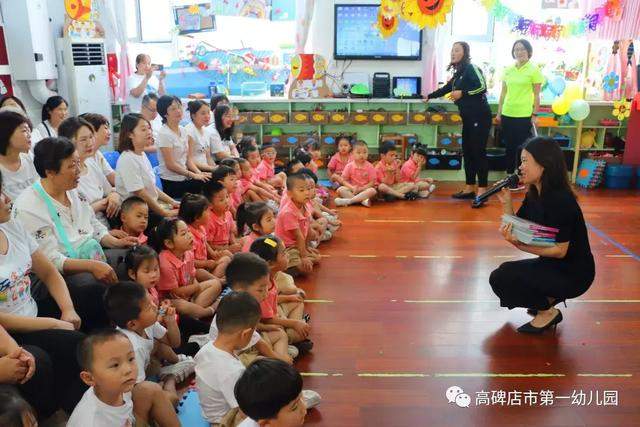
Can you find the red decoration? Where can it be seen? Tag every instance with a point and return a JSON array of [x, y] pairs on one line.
[[202, 66], [4, 59], [5, 85]]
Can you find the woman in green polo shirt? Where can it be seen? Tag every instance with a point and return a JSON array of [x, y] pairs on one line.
[[519, 100]]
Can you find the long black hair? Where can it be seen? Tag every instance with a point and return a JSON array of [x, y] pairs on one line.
[[548, 154], [466, 58], [250, 214], [221, 110]]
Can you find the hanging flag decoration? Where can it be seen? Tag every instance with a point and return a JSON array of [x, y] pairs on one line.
[[610, 9], [419, 13]]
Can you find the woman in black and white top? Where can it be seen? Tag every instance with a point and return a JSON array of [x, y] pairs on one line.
[[54, 111], [102, 133], [178, 173], [94, 185], [134, 174], [15, 163], [47, 329], [58, 165], [222, 145], [200, 136]]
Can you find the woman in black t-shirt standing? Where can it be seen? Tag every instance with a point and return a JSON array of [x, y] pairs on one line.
[[565, 270], [469, 92]]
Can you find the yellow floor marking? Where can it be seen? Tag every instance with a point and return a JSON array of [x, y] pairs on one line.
[[462, 222], [325, 256], [401, 256], [452, 256], [392, 375], [493, 375], [504, 256], [607, 375], [427, 256], [399, 221], [363, 256], [314, 374], [319, 301], [618, 256]]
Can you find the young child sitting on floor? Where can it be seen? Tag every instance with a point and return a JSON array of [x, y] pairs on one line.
[[250, 191], [217, 365], [286, 311], [292, 226], [229, 180], [249, 273], [109, 368], [134, 214], [410, 171], [252, 154], [178, 271], [265, 171], [152, 333], [221, 229], [359, 179], [14, 410], [194, 211], [339, 161], [388, 178], [284, 404], [257, 219]]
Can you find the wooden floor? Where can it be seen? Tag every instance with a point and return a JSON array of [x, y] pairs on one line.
[[402, 310]]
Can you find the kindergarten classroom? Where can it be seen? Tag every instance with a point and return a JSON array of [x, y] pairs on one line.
[[406, 328]]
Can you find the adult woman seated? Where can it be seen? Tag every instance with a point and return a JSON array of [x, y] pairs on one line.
[[102, 133], [54, 111], [93, 186], [50, 326], [16, 165], [134, 174], [10, 101], [178, 172], [67, 231], [561, 271], [222, 145]]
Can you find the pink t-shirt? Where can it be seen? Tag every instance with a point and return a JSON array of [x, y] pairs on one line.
[[243, 185], [289, 219], [175, 272], [199, 242], [359, 174], [284, 199], [336, 164], [248, 241], [142, 238], [220, 229], [155, 296], [381, 170], [269, 305], [408, 171], [313, 166], [236, 198], [265, 170]]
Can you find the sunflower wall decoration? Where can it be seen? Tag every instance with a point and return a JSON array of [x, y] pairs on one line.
[[621, 109], [419, 13]]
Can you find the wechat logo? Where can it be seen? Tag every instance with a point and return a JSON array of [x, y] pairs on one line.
[[456, 395]]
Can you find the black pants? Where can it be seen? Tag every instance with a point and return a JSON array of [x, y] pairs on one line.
[[529, 282], [475, 133], [177, 189], [515, 132], [56, 382]]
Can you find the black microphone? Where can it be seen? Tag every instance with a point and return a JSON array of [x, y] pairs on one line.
[[507, 182]]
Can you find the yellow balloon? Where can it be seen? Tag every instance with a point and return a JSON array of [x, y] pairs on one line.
[[560, 106], [572, 92]]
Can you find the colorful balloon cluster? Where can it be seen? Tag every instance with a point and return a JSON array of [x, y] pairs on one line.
[[610, 9], [569, 99], [419, 13]]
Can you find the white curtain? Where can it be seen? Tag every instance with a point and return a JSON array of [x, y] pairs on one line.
[[113, 18], [433, 67], [304, 16]]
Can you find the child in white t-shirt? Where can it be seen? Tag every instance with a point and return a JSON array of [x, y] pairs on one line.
[[109, 367], [152, 333]]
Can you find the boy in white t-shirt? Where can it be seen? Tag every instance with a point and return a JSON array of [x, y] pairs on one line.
[[217, 366], [109, 368], [130, 307], [270, 393]]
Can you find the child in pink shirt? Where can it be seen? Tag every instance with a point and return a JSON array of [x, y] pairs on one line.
[[359, 179], [410, 171], [221, 228], [257, 219], [194, 211], [339, 161], [178, 271], [388, 169], [249, 189], [229, 180], [252, 155], [134, 214], [265, 171], [292, 226]]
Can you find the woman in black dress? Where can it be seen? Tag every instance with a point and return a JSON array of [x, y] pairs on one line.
[[565, 270]]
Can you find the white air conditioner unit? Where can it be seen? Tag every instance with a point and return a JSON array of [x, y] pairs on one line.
[[86, 76]]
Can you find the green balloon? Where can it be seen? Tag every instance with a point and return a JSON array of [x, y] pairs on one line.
[[579, 110]]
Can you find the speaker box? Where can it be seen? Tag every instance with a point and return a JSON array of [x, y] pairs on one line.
[[381, 85]]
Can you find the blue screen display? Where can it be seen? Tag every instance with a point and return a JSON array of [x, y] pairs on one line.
[[408, 85], [356, 35]]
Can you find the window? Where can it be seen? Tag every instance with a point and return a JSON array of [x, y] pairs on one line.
[[471, 21], [156, 20]]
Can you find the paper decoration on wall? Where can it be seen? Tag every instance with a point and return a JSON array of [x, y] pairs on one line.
[[78, 10], [5, 85], [194, 18], [610, 9], [283, 10], [276, 10], [419, 13], [621, 109], [590, 173], [81, 20], [308, 77], [386, 25], [611, 82]]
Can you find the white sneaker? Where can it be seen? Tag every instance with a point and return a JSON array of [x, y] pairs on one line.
[[180, 370], [201, 340], [366, 203], [311, 398], [272, 204], [339, 201], [292, 351], [327, 235], [314, 244], [432, 188]]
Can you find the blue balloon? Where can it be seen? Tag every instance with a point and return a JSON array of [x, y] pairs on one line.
[[557, 85]]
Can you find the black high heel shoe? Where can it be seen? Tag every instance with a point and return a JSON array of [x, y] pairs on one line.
[[528, 328], [534, 311]]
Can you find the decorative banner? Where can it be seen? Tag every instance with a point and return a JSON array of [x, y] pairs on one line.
[[419, 13], [78, 10], [4, 58], [611, 9]]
